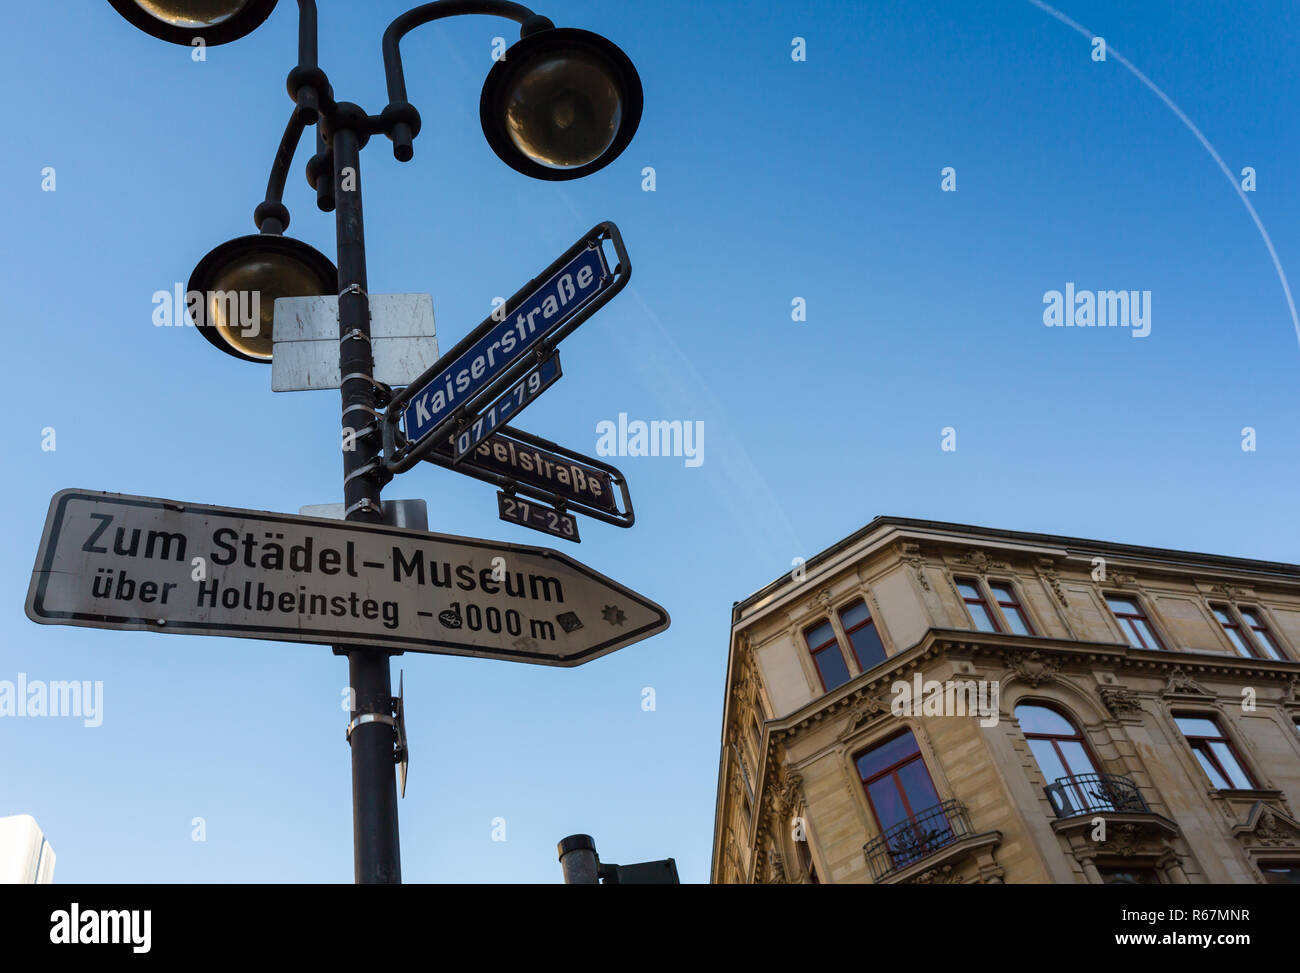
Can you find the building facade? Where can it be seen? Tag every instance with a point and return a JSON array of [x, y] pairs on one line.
[[929, 702]]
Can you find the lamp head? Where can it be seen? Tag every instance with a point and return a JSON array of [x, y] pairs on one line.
[[239, 282], [561, 104], [182, 21]]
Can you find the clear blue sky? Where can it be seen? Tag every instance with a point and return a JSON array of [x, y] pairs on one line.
[[775, 180]]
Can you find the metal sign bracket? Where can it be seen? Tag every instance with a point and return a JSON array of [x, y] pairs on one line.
[[397, 704]]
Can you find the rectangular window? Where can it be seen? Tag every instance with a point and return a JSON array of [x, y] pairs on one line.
[[1215, 753], [903, 798], [1134, 623], [1231, 629], [1129, 876], [862, 635], [976, 606], [1015, 616], [1281, 873], [1263, 637], [826, 656]]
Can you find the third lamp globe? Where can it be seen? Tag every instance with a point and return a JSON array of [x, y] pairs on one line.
[[562, 103]]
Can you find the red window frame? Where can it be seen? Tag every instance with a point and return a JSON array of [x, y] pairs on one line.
[[1077, 736], [1138, 615], [980, 600], [816, 650], [1263, 635], [1233, 624], [848, 633], [1013, 603], [892, 771], [1200, 745]]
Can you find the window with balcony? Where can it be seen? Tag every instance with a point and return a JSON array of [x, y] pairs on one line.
[[1057, 744], [913, 822], [827, 656], [1133, 622], [977, 605], [1215, 753], [860, 630], [1075, 785]]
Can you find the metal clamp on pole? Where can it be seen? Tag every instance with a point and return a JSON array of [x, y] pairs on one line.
[[401, 749], [366, 504], [375, 469]]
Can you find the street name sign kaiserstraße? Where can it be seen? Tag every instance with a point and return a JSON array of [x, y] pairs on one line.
[[511, 341], [115, 561], [504, 343], [511, 403]]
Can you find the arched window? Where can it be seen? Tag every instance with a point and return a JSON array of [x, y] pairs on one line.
[[1063, 756], [1057, 744]]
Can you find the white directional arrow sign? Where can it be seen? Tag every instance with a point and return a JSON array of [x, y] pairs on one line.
[[114, 561]]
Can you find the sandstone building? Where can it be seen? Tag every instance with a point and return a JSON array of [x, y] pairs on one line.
[[929, 702]]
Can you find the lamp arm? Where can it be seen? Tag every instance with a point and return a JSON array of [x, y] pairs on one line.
[[402, 121], [271, 215]]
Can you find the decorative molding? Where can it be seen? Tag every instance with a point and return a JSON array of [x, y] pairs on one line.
[[1034, 667], [1182, 684], [1231, 592], [788, 793], [911, 553], [1124, 840], [981, 563], [866, 713], [1047, 570], [943, 875], [1268, 827], [1292, 694], [1120, 702]]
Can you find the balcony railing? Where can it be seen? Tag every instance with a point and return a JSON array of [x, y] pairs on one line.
[[917, 837], [1090, 793]]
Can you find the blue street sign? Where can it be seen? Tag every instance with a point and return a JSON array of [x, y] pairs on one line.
[[508, 406], [503, 344]]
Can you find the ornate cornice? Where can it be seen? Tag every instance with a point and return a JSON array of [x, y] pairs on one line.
[[1048, 659]]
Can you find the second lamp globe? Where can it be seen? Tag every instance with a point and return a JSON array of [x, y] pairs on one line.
[[562, 103]]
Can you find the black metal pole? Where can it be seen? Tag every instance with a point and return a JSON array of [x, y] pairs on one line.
[[376, 852], [579, 860]]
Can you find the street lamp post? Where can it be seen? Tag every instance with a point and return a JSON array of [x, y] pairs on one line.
[[562, 104]]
